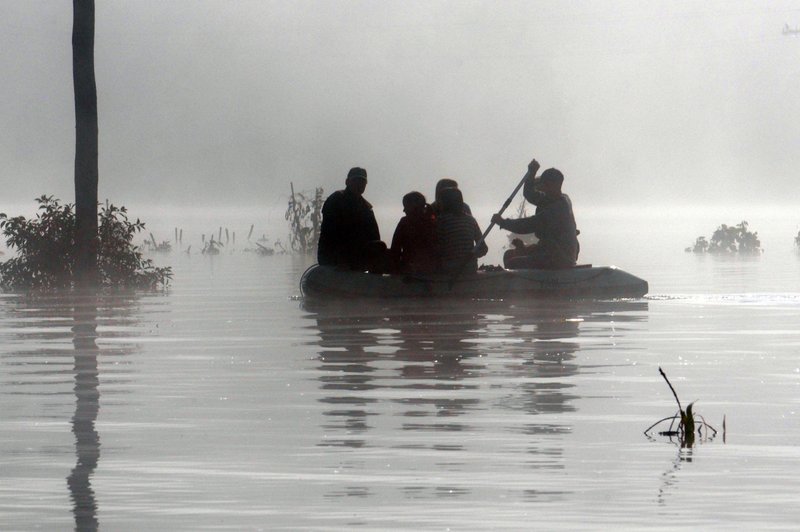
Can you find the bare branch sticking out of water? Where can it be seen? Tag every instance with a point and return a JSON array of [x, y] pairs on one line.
[[688, 422], [724, 428], [671, 388]]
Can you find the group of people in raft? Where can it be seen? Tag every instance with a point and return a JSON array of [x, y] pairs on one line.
[[443, 237]]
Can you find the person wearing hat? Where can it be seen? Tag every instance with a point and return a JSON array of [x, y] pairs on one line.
[[553, 224], [349, 235]]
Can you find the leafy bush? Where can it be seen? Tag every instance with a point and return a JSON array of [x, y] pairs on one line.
[[45, 249], [729, 239]]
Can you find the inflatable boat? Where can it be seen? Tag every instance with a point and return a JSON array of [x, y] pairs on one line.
[[584, 281]]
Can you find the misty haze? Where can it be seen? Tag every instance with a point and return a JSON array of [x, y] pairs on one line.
[[231, 388], [221, 104]]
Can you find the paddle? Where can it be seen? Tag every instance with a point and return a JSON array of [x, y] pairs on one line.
[[458, 272]]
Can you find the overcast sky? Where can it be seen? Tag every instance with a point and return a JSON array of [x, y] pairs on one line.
[[224, 102]]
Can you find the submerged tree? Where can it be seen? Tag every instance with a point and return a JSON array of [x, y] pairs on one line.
[[729, 239], [86, 173], [47, 255], [66, 245], [304, 214]]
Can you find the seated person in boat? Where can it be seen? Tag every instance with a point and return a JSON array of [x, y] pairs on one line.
[[445, 182], [553, 224], [349, 236], [414, 242], [457, 235]]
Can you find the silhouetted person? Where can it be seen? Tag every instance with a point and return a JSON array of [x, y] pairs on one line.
[[414, 242], [445, 182], [553, 224], [457, 234], [349, 236]]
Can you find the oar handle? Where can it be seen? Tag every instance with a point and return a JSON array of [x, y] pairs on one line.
[[458, 272], [502, 210]]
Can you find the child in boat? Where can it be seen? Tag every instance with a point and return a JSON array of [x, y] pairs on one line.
[[457, 235], [414, 242]]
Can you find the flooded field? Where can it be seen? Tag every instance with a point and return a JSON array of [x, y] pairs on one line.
[[229, 403]]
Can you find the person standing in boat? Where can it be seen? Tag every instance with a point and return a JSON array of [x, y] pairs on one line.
[[457, 235], [349, 235], [414, 242], [553, 224]]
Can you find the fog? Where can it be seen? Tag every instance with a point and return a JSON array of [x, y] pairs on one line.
[[221, 104]]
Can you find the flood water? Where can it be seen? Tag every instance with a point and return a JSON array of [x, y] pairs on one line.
[[228, 403]]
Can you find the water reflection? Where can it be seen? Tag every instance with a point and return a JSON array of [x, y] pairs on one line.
[[418, 355], [436, 382], [87, 406], [346, 372], [51, 346], [669, 479]]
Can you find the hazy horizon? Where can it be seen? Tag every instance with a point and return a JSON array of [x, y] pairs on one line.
[[212, 103]]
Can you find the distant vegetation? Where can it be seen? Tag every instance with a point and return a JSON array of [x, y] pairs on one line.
[[304, 214], [221, 241], [45, 250], [159, 247], [729, 239]]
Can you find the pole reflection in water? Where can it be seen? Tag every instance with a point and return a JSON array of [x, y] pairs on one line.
[[463, 379], [51, 365], [87, 406]]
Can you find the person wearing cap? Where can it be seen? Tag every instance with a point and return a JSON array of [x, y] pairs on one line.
[[349, 235], [553, 224]]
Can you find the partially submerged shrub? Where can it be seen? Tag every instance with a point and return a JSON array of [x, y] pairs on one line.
[[264, 250], [211, 247], [700, 245], [729, 239], [165, 246], [45, 249], [304, 214]]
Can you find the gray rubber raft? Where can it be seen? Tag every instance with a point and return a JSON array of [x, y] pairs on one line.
[[578, 282]]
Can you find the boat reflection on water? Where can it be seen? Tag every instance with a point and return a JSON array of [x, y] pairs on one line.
[[438, 384]]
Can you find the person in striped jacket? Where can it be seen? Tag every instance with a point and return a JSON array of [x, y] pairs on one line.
[[457, 235]]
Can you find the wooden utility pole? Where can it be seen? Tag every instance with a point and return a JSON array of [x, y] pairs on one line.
[[86, 172]]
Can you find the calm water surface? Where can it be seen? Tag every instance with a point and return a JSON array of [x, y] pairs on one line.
[[229, 404]]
